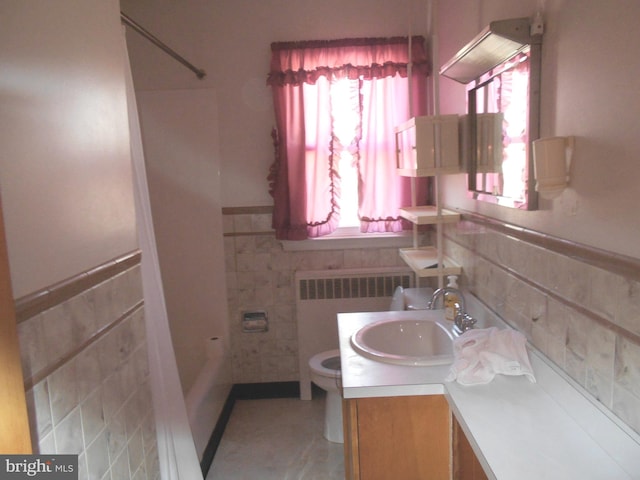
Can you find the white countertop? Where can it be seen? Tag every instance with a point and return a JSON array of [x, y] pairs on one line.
[[518, 429]]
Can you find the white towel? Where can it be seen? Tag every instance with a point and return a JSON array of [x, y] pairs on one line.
[[481, 354]]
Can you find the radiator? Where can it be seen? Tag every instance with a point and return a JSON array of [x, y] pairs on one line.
[[321, 295]]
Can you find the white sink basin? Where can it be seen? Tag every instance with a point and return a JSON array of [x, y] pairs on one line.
[[416, 341]]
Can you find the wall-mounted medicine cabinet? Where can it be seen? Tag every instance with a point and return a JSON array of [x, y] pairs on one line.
[[501, 69]]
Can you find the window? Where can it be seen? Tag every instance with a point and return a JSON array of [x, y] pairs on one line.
[[336, 105], [345, 127]]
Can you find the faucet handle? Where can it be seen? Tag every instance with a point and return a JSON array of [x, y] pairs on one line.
[[464, 322]]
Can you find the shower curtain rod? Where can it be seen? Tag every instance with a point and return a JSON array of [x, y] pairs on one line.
[[129, 22]]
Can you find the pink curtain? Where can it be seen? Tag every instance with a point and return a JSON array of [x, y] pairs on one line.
[[303, 179]]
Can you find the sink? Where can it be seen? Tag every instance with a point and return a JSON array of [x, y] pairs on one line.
[[414, 341]]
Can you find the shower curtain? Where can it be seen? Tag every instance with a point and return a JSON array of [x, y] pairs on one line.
[[176, 450]]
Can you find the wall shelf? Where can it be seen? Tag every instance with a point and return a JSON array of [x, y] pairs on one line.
[[424, 262], [428, 215]]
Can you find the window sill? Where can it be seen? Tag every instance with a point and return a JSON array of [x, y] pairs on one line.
[[347, 239]]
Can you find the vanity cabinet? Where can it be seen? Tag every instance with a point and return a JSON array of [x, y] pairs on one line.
[[466, 465], [388, 438], [408, 438]]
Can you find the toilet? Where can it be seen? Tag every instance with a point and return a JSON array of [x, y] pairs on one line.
[[325, 373]]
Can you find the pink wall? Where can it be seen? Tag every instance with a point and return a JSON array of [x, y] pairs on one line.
[[231, 40], [589, 90], [66, 173], [184, 186]]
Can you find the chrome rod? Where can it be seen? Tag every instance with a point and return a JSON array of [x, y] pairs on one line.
[[158, 43]]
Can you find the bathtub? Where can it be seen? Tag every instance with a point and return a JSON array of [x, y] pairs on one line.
[[206, 398]]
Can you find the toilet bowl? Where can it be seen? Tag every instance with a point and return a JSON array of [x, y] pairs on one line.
[[325, 373]]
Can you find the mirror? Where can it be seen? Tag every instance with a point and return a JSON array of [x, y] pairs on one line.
[[501, 68], [500, 133]]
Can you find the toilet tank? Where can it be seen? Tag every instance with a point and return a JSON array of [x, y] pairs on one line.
[[411, 298]]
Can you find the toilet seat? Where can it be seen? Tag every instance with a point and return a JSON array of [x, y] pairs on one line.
[[322, 363]]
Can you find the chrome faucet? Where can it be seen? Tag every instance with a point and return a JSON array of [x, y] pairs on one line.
[[441, 293], [463, 320]]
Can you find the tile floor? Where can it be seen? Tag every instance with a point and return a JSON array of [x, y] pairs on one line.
[[277, 439]]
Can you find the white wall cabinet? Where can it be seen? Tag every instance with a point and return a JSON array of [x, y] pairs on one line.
[[417, 140]]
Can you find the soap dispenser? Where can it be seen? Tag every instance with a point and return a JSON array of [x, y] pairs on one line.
[[450, 299]]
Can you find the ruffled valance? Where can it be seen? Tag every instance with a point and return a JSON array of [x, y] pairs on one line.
[[295, 63]]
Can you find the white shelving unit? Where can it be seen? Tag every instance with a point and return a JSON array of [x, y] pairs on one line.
[[428, 147]]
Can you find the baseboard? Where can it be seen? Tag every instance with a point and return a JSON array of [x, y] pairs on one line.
[[216, 435], [256, 391], [243, 391]]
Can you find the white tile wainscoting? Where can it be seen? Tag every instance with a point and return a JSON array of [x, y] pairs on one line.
[[260, 276], [578, 305], [84, 356]]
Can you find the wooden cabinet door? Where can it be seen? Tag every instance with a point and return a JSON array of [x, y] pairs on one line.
[[14, 431], [350, 423], [465, 463], [390, 438]]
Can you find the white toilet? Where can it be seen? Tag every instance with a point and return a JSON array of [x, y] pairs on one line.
[[325, 373]]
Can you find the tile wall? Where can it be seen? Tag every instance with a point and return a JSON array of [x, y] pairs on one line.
[[579, 306], [260, 276], [584, 314], [86, 371]]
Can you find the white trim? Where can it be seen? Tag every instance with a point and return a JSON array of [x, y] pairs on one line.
[[349, 237]]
